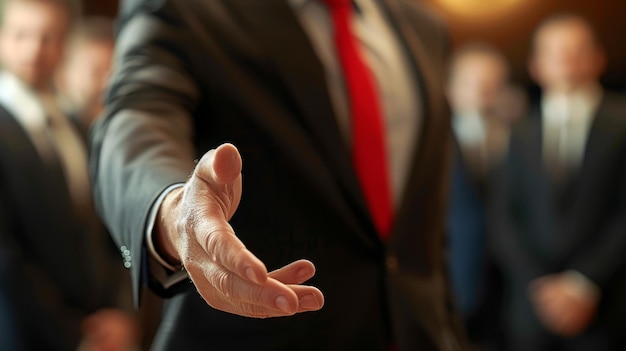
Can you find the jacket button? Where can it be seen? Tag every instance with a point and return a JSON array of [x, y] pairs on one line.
[[126, 256]]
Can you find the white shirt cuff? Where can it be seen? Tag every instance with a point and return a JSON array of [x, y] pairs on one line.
[[174, 275]]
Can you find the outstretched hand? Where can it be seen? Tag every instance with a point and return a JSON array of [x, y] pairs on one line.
[[193, 228]]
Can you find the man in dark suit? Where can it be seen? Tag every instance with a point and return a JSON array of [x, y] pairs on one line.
[[270, 77], [56, 275], [484, 104], [558, 216]]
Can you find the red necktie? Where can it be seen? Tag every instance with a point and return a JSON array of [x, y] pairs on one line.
[[368, 132]]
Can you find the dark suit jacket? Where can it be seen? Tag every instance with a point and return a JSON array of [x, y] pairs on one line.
[[51, 276], [539, 227], [194, 74]]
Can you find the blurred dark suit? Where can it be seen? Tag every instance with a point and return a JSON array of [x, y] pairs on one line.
[[539, 225], [7, 324], [466, 230], [54, 273], [475, 279], [195, 74]]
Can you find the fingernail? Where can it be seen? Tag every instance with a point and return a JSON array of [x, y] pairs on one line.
[[309, 302], [251, 275], [283, 304]]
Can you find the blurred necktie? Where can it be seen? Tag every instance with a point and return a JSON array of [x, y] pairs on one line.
[[368, 132], [71, 153], [558, 140]]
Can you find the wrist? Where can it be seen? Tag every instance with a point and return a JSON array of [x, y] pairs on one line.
[[165, 230]]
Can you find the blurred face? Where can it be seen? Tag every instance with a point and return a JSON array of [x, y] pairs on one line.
[[86, 73], [31, 40], [477, 80], [566, 57]]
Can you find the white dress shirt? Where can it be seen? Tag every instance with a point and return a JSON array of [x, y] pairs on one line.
[[25, 107], [567, 120]]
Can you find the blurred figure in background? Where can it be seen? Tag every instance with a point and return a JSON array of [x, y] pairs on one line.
[[558, 215], [478, 89], [57, 277], [85, 71], [484, 105], [81, 81]]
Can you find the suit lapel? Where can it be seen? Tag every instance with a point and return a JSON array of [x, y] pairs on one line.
[[598, 149], [19, 140], [533, 150], [598, 142], [429, 147], [536, 188], [41, 191], [282, 38]]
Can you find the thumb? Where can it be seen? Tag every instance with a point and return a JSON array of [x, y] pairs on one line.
[[220, 166], [220, 169]]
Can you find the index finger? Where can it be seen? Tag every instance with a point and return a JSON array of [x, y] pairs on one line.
[[224, 248]]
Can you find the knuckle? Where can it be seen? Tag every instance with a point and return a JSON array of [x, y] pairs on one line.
[[256, 295], [225, 284], [194, 226], [212, 241], [222, 281]]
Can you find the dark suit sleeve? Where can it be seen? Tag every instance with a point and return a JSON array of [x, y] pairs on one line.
[[144, 142]]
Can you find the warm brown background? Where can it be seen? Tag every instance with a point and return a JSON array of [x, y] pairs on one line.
[[508, 24], [510, 28]]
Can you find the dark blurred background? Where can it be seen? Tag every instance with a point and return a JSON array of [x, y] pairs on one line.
[[508, 24]]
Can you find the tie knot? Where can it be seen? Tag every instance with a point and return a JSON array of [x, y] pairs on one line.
[[337, 3]]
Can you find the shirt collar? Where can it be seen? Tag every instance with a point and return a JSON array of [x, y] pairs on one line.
[[21, 101], [582, 102], [587, 92]]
